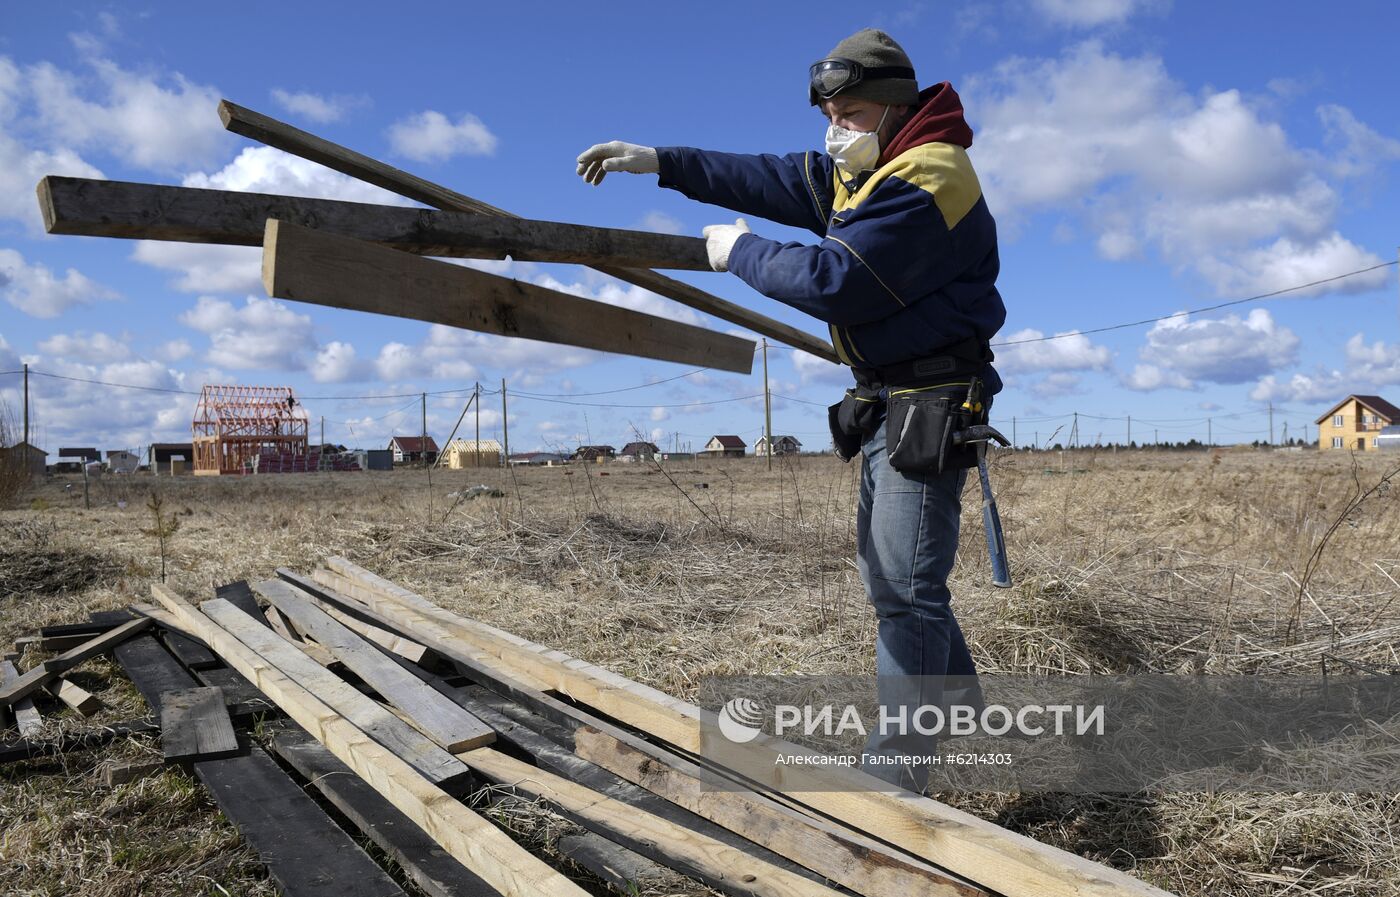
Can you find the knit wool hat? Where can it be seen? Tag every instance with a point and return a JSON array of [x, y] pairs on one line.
[[873, 48]]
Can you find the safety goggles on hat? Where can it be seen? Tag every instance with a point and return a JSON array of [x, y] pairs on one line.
[[831, 76]]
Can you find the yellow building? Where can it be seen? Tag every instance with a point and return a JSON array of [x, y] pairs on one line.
[[1355, 423], [469, 453]]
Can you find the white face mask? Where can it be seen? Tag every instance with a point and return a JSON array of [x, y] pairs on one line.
[[855, 151]]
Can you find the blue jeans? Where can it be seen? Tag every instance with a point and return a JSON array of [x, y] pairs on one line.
[[906, 542]]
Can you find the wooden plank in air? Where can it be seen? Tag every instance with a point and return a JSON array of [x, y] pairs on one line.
[[272, 132], [98, 208], [51, 669], [195, 725], [437, 717], [466, 836], [306, 265]]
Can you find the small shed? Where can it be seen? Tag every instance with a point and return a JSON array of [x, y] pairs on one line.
[[724, 447], [31, 458], [462, 453], [160, 454]]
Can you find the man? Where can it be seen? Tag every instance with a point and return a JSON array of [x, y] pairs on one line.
[[905, 277]]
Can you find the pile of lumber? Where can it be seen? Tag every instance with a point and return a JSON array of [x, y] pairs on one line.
[[405, 716]]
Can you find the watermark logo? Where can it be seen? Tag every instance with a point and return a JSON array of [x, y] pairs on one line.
[[741, 720]]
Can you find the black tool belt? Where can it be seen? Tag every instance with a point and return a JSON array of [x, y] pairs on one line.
[[921, 403]]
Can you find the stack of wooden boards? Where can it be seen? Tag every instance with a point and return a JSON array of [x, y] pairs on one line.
[[397, 711]]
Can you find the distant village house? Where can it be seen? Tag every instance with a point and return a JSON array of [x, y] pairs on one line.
[[595, 453], [413, 449], [782, 445], [724, 447], [470, 453], [31, 458], [639, 451], [1356, 424]]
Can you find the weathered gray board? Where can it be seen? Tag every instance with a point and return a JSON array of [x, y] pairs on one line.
[[307, 265], [97, 208]]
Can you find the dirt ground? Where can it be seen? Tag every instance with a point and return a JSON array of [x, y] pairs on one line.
[[1224, 561]]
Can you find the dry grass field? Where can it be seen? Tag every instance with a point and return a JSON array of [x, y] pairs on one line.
[[1228, 561]]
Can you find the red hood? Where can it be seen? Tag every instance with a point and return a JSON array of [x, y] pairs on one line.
[[939, 119]]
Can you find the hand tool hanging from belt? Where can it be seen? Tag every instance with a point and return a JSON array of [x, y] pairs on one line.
[[934, 419]]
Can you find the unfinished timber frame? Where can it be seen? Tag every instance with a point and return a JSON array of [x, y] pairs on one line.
[[234, 425]]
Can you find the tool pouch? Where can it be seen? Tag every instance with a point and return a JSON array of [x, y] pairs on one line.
[[853, 419], [919, 428]]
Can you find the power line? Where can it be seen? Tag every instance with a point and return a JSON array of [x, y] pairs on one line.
[[607, 405], [1194, 311]]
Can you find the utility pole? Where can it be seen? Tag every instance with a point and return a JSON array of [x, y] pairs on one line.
[[478, 424], [1154, 437], [767, 405], [423, 446], [1210, 437], [321, 455], [505, 425], [1271, 422], [26, 413], [1074, 432], [1013, 432], [1285, 432], [1130, 431]]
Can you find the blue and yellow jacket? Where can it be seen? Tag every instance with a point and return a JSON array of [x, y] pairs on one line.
[[908, 260]]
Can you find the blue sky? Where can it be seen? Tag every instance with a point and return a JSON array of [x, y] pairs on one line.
[[1142, 157]]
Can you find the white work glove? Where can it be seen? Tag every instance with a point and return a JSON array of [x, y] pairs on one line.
[[720, 239], [601, 158]]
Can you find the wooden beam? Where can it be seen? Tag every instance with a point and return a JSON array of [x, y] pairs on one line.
[[97, 208], [440, 719], [624, 870], [26, 715], [431, 761], [965, 844], [194, 725], [78, 698], [51, 669], [467, 837], [306, 265], [272, 132], [436, 873], [122, 772], [730, 868], [405, 648]]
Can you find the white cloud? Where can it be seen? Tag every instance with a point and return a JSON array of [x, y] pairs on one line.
[[811, 369], [263, 334], [1206, 180], [263, 169], [98, 348], [1149, 377], [1356, 149], [336, 363], [447, 353], [1092, 13], [659, 414], [314, 106], [20, 171], [661, 223], [90, 414], [174, 350], [37, 291], [431, 137], [164, 123], [1032, 353], [204, 267], [1056, 385], [1217, 350], [1369, 368]]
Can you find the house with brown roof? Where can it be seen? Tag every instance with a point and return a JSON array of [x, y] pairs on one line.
[[412, 449], [595, 453], [1355, 424], [724, 447], [639, 451], [30, 458], [782, 445]]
